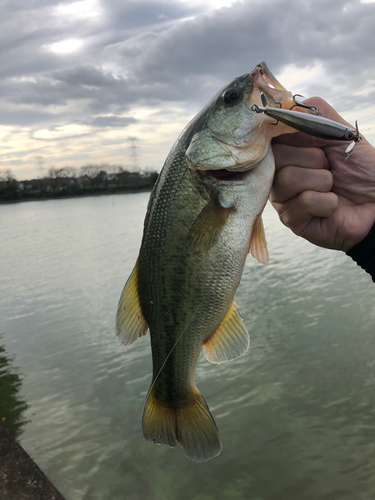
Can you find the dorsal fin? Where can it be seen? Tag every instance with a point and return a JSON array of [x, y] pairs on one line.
[[230, 340], [130, 322]]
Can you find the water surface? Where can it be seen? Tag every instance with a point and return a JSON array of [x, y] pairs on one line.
[[296, 414]]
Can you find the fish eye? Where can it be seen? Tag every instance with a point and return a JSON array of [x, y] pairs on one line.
[[232, 96]]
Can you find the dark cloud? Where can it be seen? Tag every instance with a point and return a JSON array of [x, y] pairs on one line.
[[24, 117], [140, 14], [112, 121], [189, 60], [230, 41]]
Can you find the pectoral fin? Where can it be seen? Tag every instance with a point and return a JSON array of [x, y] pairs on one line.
[[208, 225], [258, 244], [230, 340], [130, 322]]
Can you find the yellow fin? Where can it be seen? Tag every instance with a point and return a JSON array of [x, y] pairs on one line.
[[130, 322], [190, 425], [208, 225], [159, 423], [258, 244], [230, 340]]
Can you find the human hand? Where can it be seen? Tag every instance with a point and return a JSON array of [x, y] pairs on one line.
[[320, 195]]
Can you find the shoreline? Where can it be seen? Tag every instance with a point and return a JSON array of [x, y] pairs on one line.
[[81, 195], [20, 477]]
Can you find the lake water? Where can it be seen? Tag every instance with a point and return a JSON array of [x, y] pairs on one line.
[[296, 414]]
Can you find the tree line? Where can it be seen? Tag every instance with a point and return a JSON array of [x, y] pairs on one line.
[[71, 181]]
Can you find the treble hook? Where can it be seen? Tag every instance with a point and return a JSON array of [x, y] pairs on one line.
[[356, 140], [255, 108], [305, 106]]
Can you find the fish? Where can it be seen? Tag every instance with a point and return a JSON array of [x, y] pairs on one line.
[[203, 218]]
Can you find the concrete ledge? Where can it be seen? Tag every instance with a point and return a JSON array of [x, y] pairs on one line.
[[20, 477]]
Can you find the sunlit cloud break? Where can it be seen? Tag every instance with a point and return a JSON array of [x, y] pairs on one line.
[[65, 46]]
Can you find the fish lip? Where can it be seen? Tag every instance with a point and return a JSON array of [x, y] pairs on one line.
[[262, 72], [267, 83], [264, 78]]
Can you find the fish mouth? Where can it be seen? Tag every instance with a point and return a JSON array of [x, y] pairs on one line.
[[276, 94], [228, 160], [227, 175]]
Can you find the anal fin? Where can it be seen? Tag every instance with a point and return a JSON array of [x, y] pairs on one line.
[[258, 244], [230, 340], [130, 322]]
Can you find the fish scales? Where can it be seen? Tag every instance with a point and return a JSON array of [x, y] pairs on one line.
[[203, 218], [161, 298]]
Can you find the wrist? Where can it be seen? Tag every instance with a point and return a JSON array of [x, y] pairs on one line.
[[363, 253]]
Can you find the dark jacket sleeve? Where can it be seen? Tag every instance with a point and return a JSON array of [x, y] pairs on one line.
[[364, 253]]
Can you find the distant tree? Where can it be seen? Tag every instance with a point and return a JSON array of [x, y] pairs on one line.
[[8, 184], [67, 172], [52, 173], [6, 175], [90, 171], [66, 181], [63, 172]]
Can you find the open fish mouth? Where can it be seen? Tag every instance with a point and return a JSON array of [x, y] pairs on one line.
[[276, 94], [227, 175]]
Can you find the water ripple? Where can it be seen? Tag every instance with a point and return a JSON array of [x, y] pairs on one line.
[[295, 413]]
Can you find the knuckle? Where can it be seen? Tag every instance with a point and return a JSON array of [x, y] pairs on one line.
[[285, 219], [316, 101], [325, 181], [285, 176], [306, 199], [276, 205], [318, 157], [291, 219]]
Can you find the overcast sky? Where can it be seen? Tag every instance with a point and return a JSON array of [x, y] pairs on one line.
[[81, 82]]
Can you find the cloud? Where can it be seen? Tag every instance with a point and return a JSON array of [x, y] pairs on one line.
[[112, 121], [154, 54], [135, 14], [24, 117], [230, 41]]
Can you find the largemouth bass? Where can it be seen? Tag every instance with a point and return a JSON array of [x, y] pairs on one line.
[[203, 218]]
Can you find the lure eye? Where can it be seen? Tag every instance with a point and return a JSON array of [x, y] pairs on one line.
[[232, 96], [349, 135]]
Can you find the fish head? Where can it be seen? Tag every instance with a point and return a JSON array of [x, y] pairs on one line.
[[228, 134]]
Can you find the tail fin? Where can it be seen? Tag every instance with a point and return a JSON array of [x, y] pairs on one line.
[[191, 426]]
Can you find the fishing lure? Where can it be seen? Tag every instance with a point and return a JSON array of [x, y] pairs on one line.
[[312, 124]]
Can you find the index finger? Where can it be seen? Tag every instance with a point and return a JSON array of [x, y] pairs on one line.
[[306, 157], [300, 139]]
